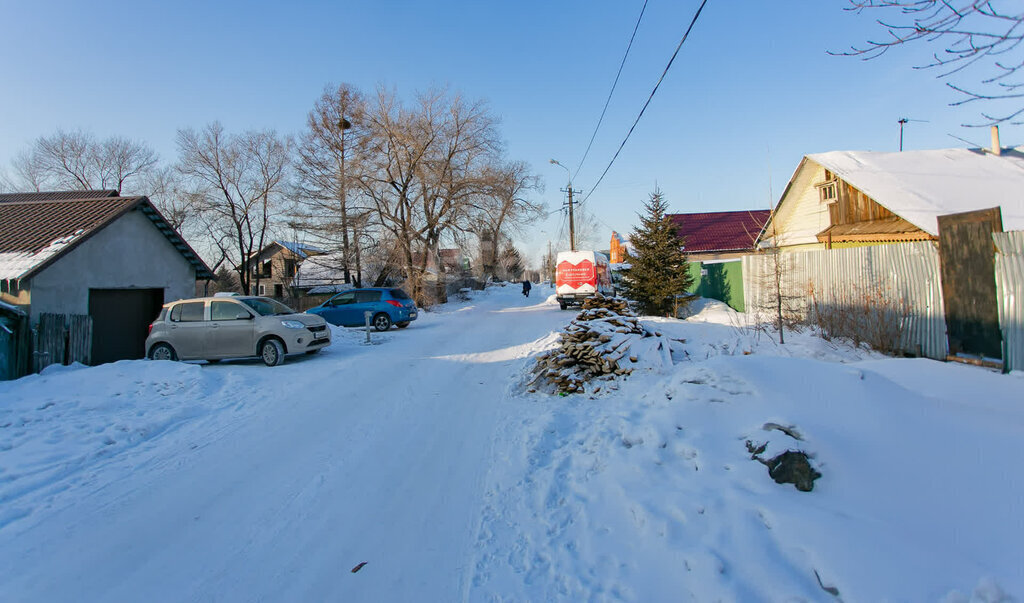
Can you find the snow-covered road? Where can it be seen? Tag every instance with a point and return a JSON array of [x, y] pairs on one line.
[[294, 475], [422, 456]]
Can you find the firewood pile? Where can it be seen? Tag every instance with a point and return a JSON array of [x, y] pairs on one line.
[[606, 341]]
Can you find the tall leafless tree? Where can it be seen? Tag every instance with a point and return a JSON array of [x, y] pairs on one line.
[[238, 182], [505, 206], [423, 169], [327, 155], [165, 187], [77, 160], [975, 33]]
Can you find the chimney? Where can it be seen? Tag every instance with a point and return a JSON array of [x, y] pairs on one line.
[[996, 149]]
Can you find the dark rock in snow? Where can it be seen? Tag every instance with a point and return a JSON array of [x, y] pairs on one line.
[[792, 467]]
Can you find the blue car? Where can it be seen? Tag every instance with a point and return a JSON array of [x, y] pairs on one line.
[[386, 307]]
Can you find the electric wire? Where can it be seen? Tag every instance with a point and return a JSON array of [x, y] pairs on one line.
[[664, 73], [612, 91]]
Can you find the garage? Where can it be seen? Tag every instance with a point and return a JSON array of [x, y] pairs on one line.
[[120, 322]]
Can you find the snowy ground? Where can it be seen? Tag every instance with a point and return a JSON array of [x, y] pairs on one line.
[[421, 456]]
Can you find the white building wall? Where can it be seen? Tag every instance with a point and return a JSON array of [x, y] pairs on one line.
[[802, 215], [128, 254]]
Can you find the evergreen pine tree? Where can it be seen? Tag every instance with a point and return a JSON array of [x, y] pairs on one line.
[[658, 278]]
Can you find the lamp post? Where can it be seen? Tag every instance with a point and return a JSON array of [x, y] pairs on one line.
[[344, 124], [572, 228]]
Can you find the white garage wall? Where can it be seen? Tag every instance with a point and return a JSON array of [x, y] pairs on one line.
[[128, 254]]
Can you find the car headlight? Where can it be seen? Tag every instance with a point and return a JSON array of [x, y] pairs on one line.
[[293, 324]]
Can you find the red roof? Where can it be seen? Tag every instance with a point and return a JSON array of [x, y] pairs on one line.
[[720, 230]]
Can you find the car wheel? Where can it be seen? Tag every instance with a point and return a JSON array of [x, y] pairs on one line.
[[272, 352], [562, 305], [162, 351], [382, 322], [402, 325]]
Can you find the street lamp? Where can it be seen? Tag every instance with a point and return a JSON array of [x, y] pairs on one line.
[[572, 228]]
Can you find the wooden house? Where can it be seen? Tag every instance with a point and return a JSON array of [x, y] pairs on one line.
[[276, 265], [855, 198]]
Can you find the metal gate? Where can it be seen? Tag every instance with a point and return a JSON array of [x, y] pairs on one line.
[[121, 319], [967, 265]]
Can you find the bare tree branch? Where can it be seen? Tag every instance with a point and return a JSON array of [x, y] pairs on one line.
[[986, 34]]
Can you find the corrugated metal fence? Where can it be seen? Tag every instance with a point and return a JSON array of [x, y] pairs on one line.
[[840, 278], [908, 272], [1010, 292]]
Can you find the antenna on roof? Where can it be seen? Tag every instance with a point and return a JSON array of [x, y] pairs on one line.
[[904, 120]]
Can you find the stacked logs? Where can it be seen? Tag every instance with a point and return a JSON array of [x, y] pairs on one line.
[[596, 344]]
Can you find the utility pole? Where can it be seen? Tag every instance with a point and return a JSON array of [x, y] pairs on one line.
[[572, 222], [344, 124], [549, 265], [572, 225]]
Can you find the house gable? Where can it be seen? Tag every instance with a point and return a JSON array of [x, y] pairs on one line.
[[800, 215], [34, 234], [821, 208], [129, 253]]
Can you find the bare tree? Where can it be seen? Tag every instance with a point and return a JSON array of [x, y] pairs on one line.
[[5, 181], [79, 161], [505, 206], [423, 169], [237, 182], [335, 135], [166, 189], [983, 33], [28, 173]]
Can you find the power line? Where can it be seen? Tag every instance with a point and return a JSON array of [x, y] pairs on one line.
[[610, 92], [664, 73]]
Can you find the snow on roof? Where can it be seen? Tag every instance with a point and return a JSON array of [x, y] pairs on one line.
[[300, 249], [320, 270], [919, 186], [326, 289], [14, 264]]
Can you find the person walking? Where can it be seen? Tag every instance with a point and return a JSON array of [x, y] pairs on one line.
[[526, 287]]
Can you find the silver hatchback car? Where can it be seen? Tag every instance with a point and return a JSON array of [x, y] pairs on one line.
[[213, 328]]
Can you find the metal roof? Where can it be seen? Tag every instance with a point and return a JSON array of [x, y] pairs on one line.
[[33, 234], [720, 231], [57, 195]]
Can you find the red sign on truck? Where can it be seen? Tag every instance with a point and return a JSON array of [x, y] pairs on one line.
[[576, 275]]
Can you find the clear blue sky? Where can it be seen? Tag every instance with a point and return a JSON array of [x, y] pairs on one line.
[[751, 92]]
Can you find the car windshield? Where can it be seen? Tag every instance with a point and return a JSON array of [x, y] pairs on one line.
[[399, 294], [266, 306]]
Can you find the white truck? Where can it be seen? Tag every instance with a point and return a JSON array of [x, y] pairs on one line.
[[579, 275]]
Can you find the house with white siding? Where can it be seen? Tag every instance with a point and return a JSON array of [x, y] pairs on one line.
[[855, 198]]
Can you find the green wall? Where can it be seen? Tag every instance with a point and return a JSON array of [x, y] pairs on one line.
[[723, 281]]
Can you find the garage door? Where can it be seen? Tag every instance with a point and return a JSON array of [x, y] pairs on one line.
[[120, 322]]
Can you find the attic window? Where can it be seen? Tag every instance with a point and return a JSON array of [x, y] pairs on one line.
[[828, 190]]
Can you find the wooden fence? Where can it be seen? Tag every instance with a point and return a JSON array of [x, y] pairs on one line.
[[62, 339]]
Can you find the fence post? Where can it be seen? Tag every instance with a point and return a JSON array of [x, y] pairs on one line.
[[366, 316]]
